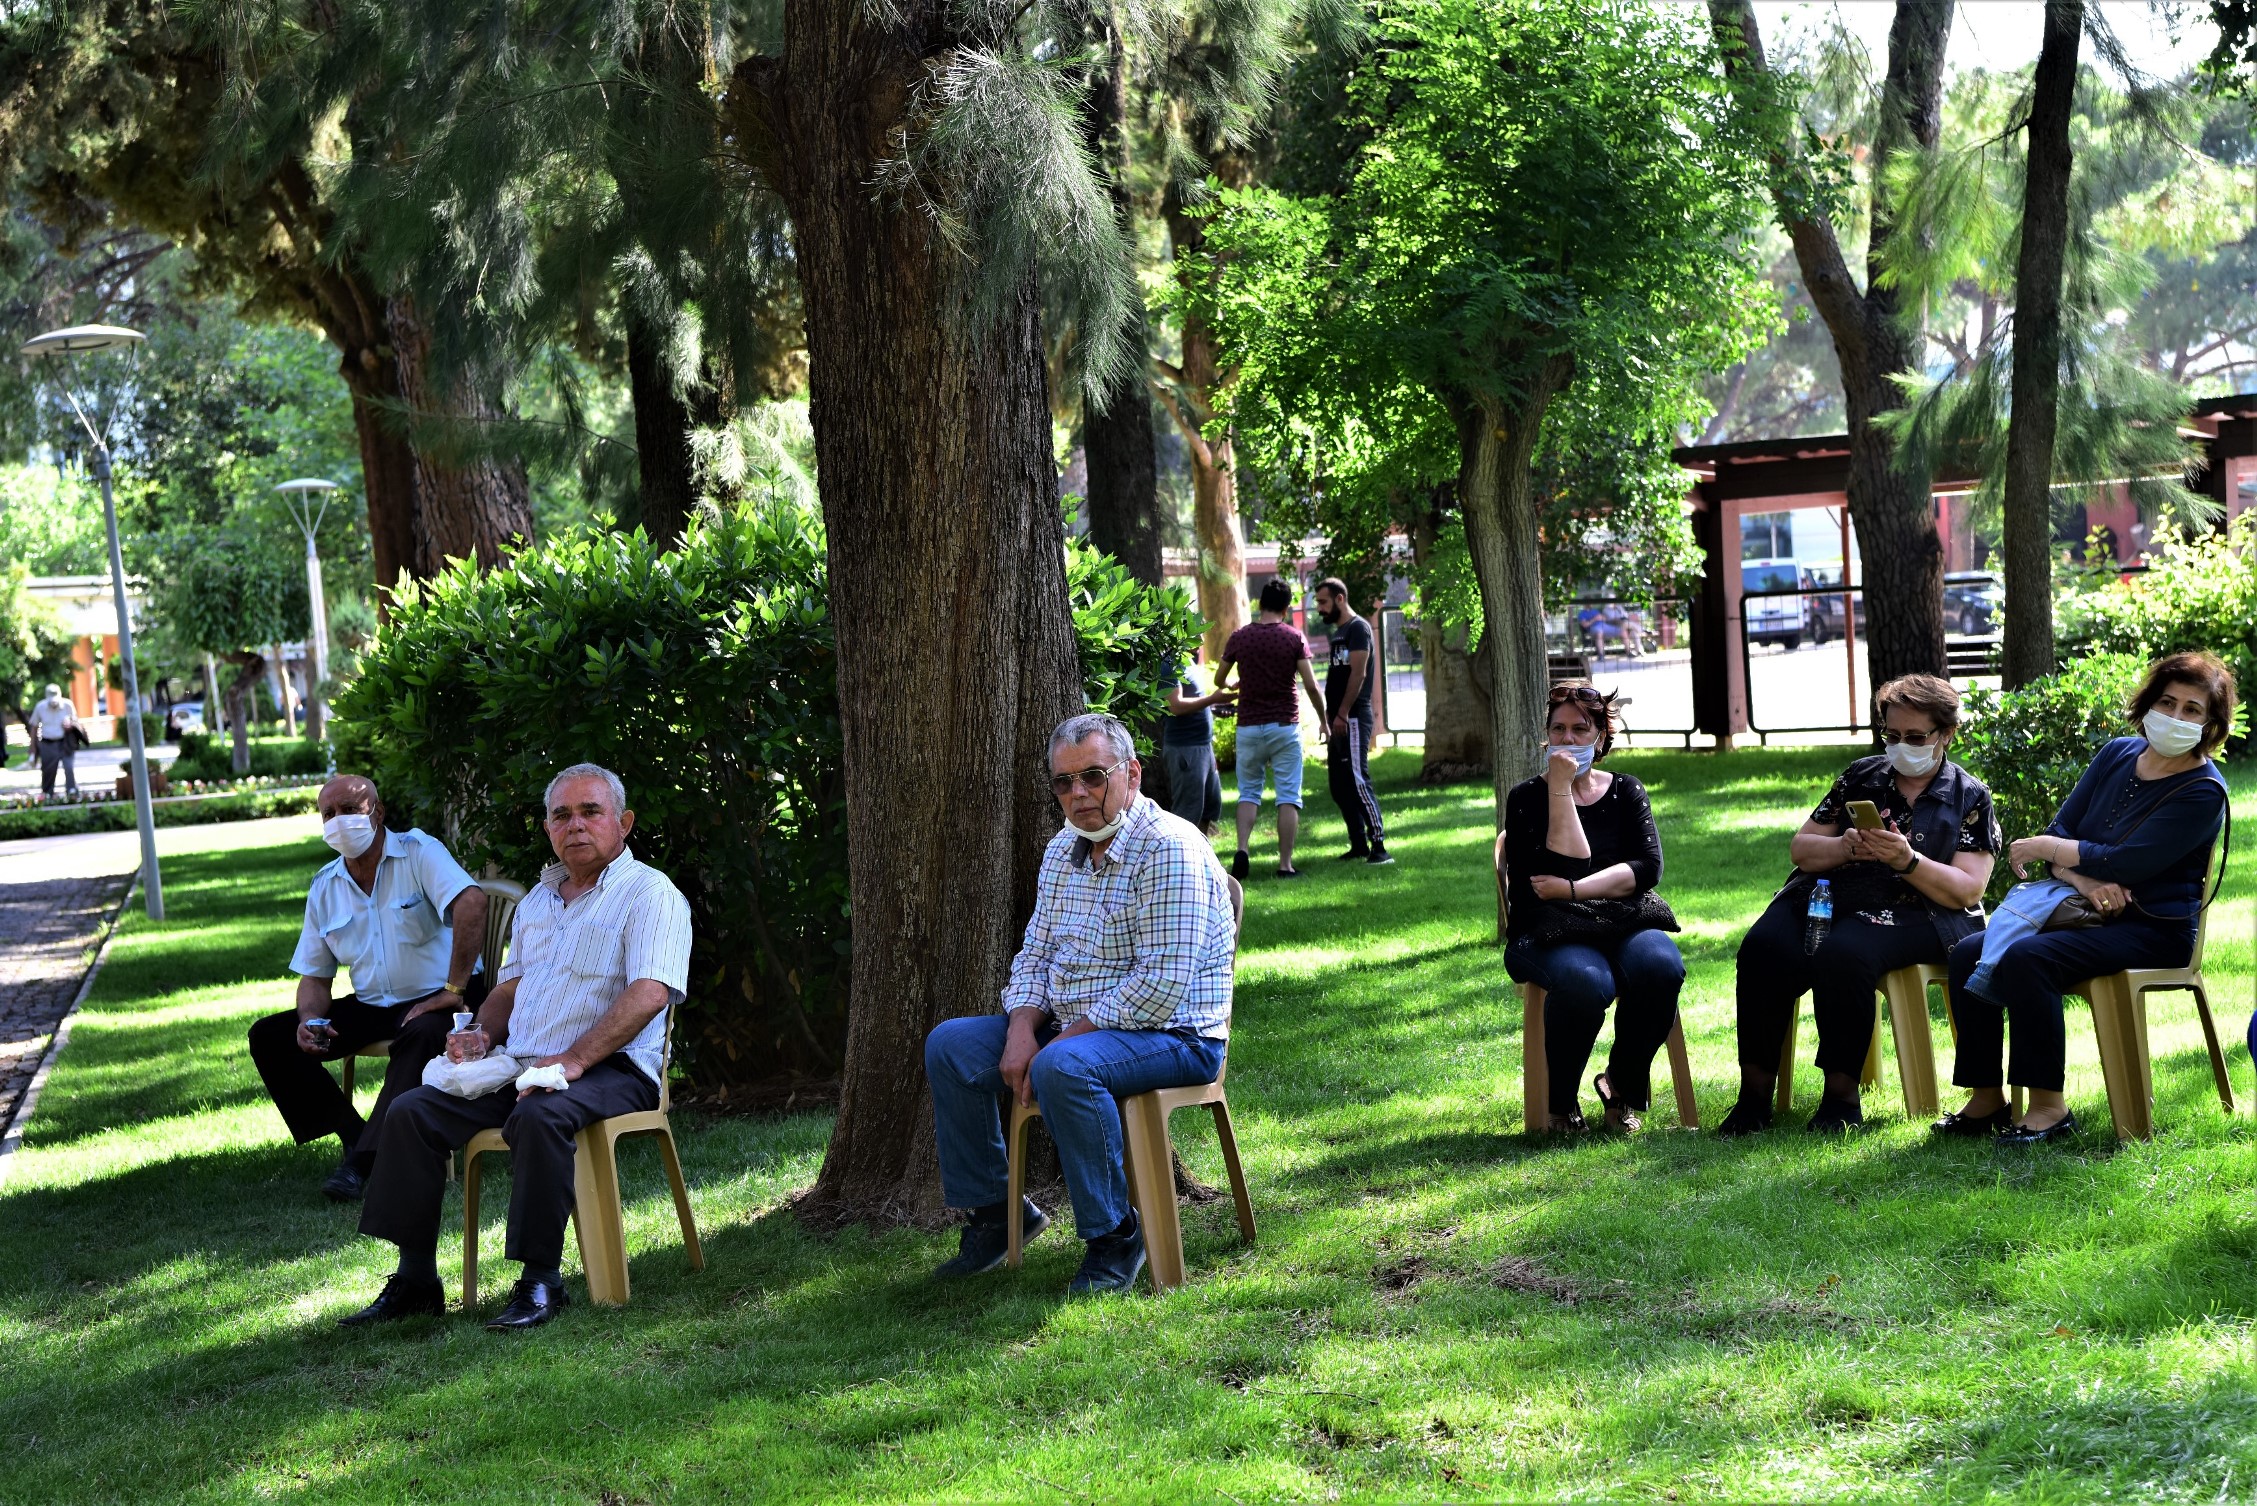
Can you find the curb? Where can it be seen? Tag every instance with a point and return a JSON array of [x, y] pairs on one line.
[[55, 1043]]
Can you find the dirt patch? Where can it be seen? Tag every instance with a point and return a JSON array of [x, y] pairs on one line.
[[1401, 1275], [1520, 1273]]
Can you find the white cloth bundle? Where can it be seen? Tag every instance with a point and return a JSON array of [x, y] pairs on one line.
[[551, 1077], [472, 1079]]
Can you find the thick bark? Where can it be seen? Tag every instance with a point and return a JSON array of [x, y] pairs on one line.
[[1458, 738], [932, 441], [1216, 530], [1497, 439], [469, 504], [2027, 653], [1124, 481], [1874, 339], [663, 455]]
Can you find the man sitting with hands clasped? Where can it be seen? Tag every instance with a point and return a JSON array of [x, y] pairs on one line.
[[599, 952], [1122, 985], [399, 912]]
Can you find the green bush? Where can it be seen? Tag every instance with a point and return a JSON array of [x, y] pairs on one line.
[[269, 759], [117, 815], [1226, 743], [705, 677], [2031, 745]]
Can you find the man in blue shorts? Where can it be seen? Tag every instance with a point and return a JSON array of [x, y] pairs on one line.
[[1268, 653]]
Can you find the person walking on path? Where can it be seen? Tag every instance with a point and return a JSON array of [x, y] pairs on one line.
[[1269, 653], [53, 722], [1187, 751], [1348, 715]]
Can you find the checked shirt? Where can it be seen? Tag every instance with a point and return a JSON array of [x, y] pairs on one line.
[[1142, 942]]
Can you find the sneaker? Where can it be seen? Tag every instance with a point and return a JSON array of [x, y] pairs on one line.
[[986, 1240], [1748, 1117], [1380, 857], [1356, 855], [1111, 1262], [1836, 1117], [1241, 866]]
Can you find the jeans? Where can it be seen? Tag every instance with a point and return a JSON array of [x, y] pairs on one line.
[[1077, 1082], [1348, 770], [55, 751], [1841, 979], [2028, 989], [1579, 978], [2019, 916], [1195, 787], [1272, 748]]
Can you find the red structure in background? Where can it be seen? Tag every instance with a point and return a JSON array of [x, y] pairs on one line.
[[1736, 481]]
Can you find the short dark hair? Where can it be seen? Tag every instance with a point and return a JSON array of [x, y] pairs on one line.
[[1277, 594], [1597, 704], [1336, 586], [1933, 698], [2207, 673]]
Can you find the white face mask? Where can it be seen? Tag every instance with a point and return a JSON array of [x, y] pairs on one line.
[[350, 835], [1584, 755], [1103, 833], [1913, 762], [2169, 736]]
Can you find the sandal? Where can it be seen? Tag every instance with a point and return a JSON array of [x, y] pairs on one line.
[[1619, 1115]]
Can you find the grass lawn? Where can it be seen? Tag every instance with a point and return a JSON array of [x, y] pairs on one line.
[[1438, 1307]]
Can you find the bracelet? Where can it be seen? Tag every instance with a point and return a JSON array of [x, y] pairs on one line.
[[1910, 866]]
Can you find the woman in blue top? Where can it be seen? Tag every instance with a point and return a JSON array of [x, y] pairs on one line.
[[2134, 838]]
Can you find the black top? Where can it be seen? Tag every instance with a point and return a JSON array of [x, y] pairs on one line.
[[1619, 826], [1350, 637], [1193, 729], [1953, 815], [2152, 836]]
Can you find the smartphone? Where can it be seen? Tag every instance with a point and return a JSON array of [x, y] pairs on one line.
[[1865, 815]]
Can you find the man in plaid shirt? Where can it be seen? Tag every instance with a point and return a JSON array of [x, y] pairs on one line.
[[1122, 986]]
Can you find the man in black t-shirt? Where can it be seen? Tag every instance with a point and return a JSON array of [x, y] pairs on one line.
[[1347, 705]]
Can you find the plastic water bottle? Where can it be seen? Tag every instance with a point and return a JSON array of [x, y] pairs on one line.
[[1821, 921]]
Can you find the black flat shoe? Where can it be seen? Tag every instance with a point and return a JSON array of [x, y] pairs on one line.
[[532, 1302], [1289, 873], [345, 1184], [1747, 1117], [1836, 1117], [401, 1298], [1974, 1126], [2066, 1128]]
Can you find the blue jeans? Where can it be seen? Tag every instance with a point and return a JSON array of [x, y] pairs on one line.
[[2019, 916], [1078, 1083], [1579, 980], [1274, 749]]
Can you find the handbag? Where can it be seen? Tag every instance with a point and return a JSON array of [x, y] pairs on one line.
[[1600, 920], [2077, 913]]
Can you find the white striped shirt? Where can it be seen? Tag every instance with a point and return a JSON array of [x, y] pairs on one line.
[[575, 958]]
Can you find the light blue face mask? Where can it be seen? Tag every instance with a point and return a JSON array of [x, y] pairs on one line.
[[1584, 755]]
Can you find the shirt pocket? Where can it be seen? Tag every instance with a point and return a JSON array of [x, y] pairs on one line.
[[597, 954], [415, 922], [1113, 942], [345, 930]]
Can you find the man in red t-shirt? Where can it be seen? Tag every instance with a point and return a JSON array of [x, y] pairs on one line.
[[1269, 651]]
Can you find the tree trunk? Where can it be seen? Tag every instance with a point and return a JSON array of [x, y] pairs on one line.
[[1216, 531], [1496, 442], [663, 455], [247, 667], [932, 441], [1457, 706], [2027, 653], [469, 504], [1124, 483]]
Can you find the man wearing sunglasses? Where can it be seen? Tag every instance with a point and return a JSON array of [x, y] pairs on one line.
[[1121, 986]]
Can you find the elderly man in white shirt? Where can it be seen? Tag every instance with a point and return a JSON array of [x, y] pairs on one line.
[[53, 720], [396, 909], [599, 956]]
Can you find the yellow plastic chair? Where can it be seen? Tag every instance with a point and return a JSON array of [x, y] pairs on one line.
[[1149, 1157], [598, 1218], [1535, 1069], [502, 900], [1904, 995], [2119, 1022]]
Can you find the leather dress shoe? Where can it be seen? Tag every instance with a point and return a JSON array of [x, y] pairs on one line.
[[401, 1298], [1749, 1116], [1974, 1126], [345, 1184], [2064, 1129], [532, 1302]]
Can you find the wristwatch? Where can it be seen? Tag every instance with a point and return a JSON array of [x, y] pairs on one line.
[[1910, 864]]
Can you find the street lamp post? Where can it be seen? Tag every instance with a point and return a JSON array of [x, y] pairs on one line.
[[300, 495], [72, 341]]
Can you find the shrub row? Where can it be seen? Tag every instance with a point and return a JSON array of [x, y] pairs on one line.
[[117, 815]]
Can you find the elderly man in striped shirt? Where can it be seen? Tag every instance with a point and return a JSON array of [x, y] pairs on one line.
[[1121, 986], [599, 956]]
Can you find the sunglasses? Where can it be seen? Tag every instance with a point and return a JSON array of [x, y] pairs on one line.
[[1062, 785]]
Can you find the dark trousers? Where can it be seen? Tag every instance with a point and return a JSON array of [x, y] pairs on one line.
[[1643, 970], [1347, 768], [57, 752], [426, 1125], [312, 1103], [2030, 982], [1841, 979]]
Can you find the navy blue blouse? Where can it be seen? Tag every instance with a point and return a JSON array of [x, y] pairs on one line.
[[2153, 836]]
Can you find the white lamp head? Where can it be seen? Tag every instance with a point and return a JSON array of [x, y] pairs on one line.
[[307, 484], [81, 337]]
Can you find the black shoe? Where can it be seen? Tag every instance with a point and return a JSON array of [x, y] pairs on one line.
[[1111, 1262], [401, 1298], [1241, 866], [1380, 857], [1748, 1117], [2061, 1131], [345, 1184], [532, 1302], [1289, 873], [986, 1240], [1836, 1117], [1619, 1115], [1356, 855], [1974, 1126]]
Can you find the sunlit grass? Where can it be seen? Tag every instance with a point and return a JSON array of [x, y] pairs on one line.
[[1436, 1308]]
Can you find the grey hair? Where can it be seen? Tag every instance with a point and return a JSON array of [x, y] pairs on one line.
[[1071, 732], [612, 781]]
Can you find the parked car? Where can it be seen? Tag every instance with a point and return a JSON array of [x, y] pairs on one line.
[[1773, 619], [1972, 602], [185, 716], [1824, 610]]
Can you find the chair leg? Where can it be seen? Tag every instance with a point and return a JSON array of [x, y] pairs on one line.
[[1915, 1047], [674, 1179], [2119, 1067], [1535, 1066], [2210, 1033], [1015, 1185], [1228, 1139], [469, 1230], [1152, 1187], [596, 1217], [1869, 1075], [348, 1075], [1681, 1076], [1784, 1098]]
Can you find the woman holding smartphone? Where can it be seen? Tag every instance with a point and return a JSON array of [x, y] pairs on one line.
[[1905, 840]]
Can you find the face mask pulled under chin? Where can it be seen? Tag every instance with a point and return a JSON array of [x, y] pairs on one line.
[[349, 835], [1913, 762], [2169, 736], [1103, 833]]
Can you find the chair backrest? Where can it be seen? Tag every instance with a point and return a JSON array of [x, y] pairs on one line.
[[502, 900], [2202, 921], [1237, 911]]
